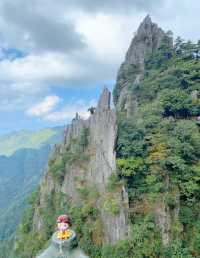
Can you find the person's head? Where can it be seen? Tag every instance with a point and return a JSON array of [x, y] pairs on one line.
[[63, 222]]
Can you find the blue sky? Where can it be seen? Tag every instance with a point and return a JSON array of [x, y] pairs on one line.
[[78, 98], [17, 120], [56, 56]]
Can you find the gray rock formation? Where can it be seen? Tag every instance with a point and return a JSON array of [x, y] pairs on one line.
[[102, 135], [95, 172], [102, 127], [163, 221], [147, 40]]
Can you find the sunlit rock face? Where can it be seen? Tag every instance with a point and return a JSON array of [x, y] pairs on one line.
[[146, 41], [102, 128], [95, 172]]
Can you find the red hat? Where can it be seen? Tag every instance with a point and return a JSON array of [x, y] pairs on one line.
[[64, 219]]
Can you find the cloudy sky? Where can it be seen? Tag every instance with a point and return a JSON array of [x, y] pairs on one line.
[[55, 56]]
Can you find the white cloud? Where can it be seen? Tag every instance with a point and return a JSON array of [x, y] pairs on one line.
[[47, 109], [107, 35], [100, 35], [50, 69], [36, 74], [43, 108], [37, 68], [69, 111], [19, 96]]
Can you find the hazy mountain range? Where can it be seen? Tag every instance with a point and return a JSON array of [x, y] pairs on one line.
[[23, 157]]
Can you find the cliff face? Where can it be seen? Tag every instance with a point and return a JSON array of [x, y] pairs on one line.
[[131, 173], [86, 160], [152, 86], [94, 172], [147, 40]]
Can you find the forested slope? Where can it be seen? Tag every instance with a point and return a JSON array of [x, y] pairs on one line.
[[150, 180]]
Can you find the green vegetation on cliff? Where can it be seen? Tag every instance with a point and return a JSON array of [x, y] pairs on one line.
[[158, 158], [158, 152], [14, 141], [20, 174], [84, 215]]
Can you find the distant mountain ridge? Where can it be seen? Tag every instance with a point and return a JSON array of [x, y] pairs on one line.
[[24, 155], [14, 141]]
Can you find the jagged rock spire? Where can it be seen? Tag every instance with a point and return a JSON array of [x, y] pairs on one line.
[[104, 102], [147, 19], [146, 41]]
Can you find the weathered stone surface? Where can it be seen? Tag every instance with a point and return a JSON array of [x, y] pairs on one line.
[[94, 172], [74, 129], [147, 40], [163, 221], [102, 130]]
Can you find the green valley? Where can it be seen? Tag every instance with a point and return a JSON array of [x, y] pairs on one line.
[[20, 173], [14, 141]]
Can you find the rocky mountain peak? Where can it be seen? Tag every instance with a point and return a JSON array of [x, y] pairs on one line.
[[92, 168], [105, 98], [147, 19], [148, 38], [146, 22]]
